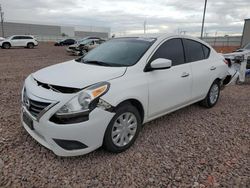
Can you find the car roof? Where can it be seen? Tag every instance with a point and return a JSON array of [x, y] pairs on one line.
[[161, 37]]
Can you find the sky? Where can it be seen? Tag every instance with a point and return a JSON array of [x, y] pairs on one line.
[[127, 17]]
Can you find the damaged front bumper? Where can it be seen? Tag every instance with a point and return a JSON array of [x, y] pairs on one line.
[[70, 139]]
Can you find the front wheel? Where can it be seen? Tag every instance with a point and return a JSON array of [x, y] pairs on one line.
[[123, 129], [6, 45], [212, 96]]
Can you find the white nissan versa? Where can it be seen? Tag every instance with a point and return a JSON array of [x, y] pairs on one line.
[[103, 98]]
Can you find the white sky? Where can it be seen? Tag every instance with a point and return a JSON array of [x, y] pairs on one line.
[[128, 16]]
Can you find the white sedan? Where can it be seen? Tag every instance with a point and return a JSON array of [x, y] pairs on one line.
[[103, 98]]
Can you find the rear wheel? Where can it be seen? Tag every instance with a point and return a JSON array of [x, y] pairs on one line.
[[123, 129], [212, 96], [30, 45], [6, 45]]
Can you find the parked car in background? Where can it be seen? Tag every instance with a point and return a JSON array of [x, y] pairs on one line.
[[84, 46], [104, 97], [65, 42], [19, 41], [245, 48], [1, 38]]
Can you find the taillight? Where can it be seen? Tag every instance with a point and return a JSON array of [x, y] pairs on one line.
[[226, 61]]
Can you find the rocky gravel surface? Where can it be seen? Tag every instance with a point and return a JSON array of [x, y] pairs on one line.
[[193, 147]]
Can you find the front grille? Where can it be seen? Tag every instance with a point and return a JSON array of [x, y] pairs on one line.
[[36, 107]]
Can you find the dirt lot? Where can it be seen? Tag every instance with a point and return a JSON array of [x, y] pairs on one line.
[[193, 147], [226, 49]]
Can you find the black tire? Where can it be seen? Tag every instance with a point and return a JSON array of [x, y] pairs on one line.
[[30, 45], [6, 45], [208, 102], [107, 142]]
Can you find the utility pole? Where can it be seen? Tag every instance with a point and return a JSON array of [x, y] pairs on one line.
[[144, 26], [184, 32], [1, 14], [178, 30], [203, 19]]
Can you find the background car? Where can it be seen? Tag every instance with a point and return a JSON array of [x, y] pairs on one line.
[[245, 48], [19, 41], [84, 46], [65, 42]]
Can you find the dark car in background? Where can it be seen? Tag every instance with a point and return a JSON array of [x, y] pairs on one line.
[[65, 42], [84, 46]]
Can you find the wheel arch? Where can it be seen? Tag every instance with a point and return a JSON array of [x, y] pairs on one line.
[[30, 43], [218, 80], [136, 103], [6, 42]]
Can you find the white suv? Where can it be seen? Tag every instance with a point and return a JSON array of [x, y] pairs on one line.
[[103, 98], [19, 41]]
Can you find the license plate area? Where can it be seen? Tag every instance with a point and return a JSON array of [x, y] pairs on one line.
[[28, 121]]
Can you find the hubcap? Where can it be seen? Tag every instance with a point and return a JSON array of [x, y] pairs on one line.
[[214, 93], [124, 129]]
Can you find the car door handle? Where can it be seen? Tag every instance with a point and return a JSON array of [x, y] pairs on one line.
[[185, 74], [213, 68]]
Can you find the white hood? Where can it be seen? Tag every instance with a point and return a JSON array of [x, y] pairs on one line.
[[77, 75]]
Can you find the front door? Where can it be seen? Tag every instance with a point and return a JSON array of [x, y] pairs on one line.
[[169, 88], [16, 41]]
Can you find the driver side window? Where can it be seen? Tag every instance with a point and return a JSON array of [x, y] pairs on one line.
[[171, 49], [15, 38]]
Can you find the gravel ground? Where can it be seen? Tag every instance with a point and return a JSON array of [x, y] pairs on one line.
[[193, 147]]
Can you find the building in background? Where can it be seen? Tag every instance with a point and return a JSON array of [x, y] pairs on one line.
[[246, 33], [224, 41], [53, 32]]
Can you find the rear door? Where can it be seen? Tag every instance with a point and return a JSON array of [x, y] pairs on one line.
[[197, 54], [169, 88], [24, 40]]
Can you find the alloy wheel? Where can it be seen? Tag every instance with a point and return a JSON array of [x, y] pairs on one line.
[[214, 93]]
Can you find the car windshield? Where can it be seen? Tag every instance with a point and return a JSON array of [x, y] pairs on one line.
[[119, 52], [81, 40], [86, 41], [247, 46]]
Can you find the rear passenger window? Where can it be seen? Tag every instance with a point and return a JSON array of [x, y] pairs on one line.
[[171, 49], [193, 50], [206, 51]]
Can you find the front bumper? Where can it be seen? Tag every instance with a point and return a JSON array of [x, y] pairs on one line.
[[74, 52], [90, 133]]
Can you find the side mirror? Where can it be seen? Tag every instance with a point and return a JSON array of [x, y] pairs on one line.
[[159, 64]]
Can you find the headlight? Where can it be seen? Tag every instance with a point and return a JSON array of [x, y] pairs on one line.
[[85, 101]]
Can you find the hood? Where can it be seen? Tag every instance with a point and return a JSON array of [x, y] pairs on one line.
[[73, 45], [77, 75]]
